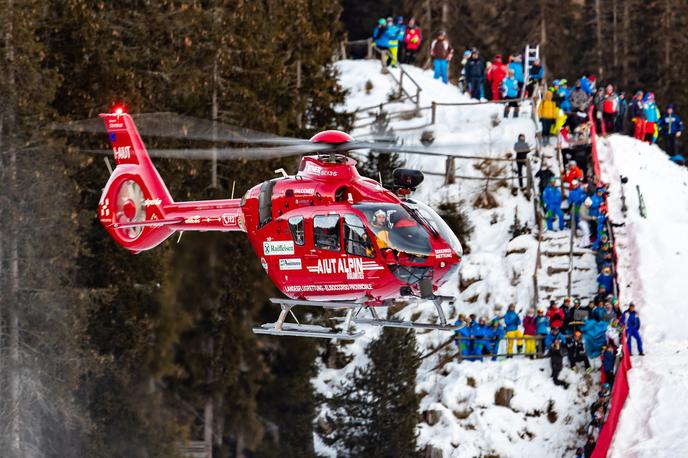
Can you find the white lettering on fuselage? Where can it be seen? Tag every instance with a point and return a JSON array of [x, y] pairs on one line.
[[122, 152], [354, 268], [320, 171]]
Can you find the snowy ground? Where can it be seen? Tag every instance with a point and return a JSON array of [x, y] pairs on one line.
[[653, 258], [458, 399]]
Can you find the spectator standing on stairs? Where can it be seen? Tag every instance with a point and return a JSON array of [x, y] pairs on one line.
[[543, 175], [392, 33], [556, 358], [551, 199], [441, 53], [401, 35], [380, 39], [577, 353], [522, 149]]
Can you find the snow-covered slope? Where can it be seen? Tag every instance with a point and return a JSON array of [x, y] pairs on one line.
[[653, 273], [458, 403]]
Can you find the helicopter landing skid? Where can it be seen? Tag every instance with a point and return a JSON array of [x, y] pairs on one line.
[[442, 326], [282, 328]]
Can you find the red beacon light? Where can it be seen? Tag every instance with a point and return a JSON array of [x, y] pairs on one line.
[[118, 110], [332, 136]]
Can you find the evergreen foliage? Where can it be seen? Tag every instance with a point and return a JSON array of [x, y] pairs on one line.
[[375, 411]]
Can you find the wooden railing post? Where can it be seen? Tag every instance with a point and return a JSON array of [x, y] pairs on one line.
[[401, 82], [450, 172], [342, 49], [434, 112], [417, 98], [369, 54]]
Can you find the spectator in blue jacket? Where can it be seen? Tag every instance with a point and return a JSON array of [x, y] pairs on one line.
[[401, 35], [512, 323], [461, 335], [517, 66], [575, 199], [652, 117], [392, 33], [509, 90], [481, 338], [608, 361], [541, 329], [551, 198], [554, 334], [671, 128], [632, 321], [495, 335], [606, 279], [380, 35], [588, 83]]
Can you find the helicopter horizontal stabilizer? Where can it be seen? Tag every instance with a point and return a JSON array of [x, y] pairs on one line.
[[152, 222]]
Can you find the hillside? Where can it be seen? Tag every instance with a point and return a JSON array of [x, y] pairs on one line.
[[458, 398]]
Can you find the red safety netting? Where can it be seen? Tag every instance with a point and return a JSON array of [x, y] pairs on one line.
[[621, 387]]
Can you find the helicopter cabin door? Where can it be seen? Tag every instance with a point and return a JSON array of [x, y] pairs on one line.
[[341, 259]]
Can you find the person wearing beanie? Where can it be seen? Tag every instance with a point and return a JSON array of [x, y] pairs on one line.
[[441, 53], [412, 40], [495, 76], [652, 117], [671, 129]]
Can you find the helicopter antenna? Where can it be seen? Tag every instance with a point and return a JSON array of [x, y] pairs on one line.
[[233, 185], [379, 177], [283, 172], [108, 165]]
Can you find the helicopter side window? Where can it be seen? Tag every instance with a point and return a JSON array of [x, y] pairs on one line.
[[297, 230], [326, 230], [356, 238]]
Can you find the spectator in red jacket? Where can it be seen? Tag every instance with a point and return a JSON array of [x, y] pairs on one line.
[[610, 109], [529, 331], [555, 315], [412, 39], [572, 172], [495, 75]]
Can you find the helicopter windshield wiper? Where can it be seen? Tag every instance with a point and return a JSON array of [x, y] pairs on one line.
[[422, 220]]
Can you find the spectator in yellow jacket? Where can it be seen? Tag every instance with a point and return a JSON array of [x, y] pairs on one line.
[[548, 112]]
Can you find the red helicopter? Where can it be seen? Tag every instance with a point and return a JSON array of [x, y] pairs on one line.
[[326, 237]]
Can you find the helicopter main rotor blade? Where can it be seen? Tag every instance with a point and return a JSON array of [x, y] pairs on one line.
[[390, 148], [267, 152], [172, 125]]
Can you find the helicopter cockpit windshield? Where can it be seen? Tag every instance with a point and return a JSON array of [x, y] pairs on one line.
[[395, 228], [437, 223]]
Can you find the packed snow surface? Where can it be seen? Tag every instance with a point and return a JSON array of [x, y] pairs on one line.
[[653, 270], [461, 418]]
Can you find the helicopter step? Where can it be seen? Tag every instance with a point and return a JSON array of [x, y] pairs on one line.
[[437, 301], [283, 328]]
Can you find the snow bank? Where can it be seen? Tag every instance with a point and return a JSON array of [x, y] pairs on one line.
[[653, 256]]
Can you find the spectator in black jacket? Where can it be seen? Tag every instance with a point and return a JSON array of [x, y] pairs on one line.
[[543, 175], [556, 358], [475, 74], [522, 149], [577, 352]]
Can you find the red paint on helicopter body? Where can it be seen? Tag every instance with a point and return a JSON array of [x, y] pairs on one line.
[[315, 233]]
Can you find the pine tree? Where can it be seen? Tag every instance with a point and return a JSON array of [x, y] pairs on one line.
[[375, 411], [381, 165]]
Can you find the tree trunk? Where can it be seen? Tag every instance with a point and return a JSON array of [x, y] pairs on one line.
[[209, 408], [615, 57], [11, 234], [598, 43], [627, 36], [213, 115]]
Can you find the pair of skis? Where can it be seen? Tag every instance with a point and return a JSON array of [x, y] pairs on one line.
[[641, 200]]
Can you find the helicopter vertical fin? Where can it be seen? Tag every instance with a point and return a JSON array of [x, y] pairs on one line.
[[128, 148]]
